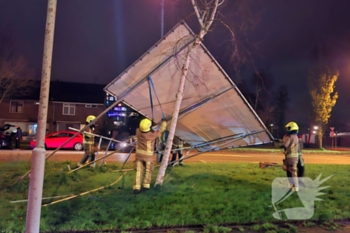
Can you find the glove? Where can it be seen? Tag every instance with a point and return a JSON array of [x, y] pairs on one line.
[[163, 126], [284, 166]]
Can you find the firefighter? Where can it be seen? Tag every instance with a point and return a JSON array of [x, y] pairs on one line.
[[290, 144], [301, 164], [145, 138], [178, 149], [89, 143], [162, 140]]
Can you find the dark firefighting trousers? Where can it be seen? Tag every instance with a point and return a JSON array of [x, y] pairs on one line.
[[177, 151], [301, 167], [18, 143], [160, 152], [144, 168], [292, 169], [89, 153]]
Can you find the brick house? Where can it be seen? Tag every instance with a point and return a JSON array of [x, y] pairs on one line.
[[69, 105]]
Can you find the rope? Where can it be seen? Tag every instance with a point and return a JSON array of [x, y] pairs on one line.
[[150, 82], [87, 192], [150, 95]]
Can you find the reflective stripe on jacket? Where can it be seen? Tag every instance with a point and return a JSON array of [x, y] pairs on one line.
[[291, 143], [145, 142], [88, 138]]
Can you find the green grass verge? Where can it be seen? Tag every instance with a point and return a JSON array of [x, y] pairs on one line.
[[197, 193]]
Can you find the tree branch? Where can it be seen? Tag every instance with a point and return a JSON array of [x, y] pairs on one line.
[[196, 10], [212, 16], [15, 75], [220, 3]]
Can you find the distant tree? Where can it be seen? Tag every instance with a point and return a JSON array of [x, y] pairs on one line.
[[267, 115], [262, 83], [238, 19], [280, 108], [321, 81], [16, 77], [257, 91]]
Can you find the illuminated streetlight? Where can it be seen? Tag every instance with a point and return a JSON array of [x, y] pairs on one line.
[[315, 127]]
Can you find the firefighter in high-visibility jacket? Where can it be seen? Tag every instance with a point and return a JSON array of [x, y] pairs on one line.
[[162, 141], [290, 144], [145, 140], [89, 143]]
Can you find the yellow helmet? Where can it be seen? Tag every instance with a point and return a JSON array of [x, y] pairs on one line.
[[291, 126], [90, 118], [145, 125]]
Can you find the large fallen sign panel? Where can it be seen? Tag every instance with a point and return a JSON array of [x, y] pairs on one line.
[[213, 111]]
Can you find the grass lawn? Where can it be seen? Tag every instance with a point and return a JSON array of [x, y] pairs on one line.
[[195, 194]]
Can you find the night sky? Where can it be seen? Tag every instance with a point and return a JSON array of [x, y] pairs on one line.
[[95, 40]]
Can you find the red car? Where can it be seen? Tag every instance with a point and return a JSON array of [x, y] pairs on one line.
[[56, 139]]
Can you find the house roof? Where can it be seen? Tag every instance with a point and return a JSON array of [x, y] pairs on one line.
[[70, 92], [77, 92]]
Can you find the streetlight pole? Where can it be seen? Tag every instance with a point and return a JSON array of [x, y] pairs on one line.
[[162, 21], [38, 155]]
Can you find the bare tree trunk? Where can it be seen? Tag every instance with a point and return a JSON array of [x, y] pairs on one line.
[[173, 124], [310, 133], [184, 70]]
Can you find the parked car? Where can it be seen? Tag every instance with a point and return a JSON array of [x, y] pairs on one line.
[[7, 133], [56, 139], [4, 142]]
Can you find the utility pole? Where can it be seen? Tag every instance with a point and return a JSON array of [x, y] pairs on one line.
[[162, 21], [39, 152]]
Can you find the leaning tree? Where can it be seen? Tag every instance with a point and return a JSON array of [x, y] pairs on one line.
[[208, 12]]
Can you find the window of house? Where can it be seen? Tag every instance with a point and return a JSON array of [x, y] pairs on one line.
[[68, 109], [16, 106], [90, 106], [32, 129]]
